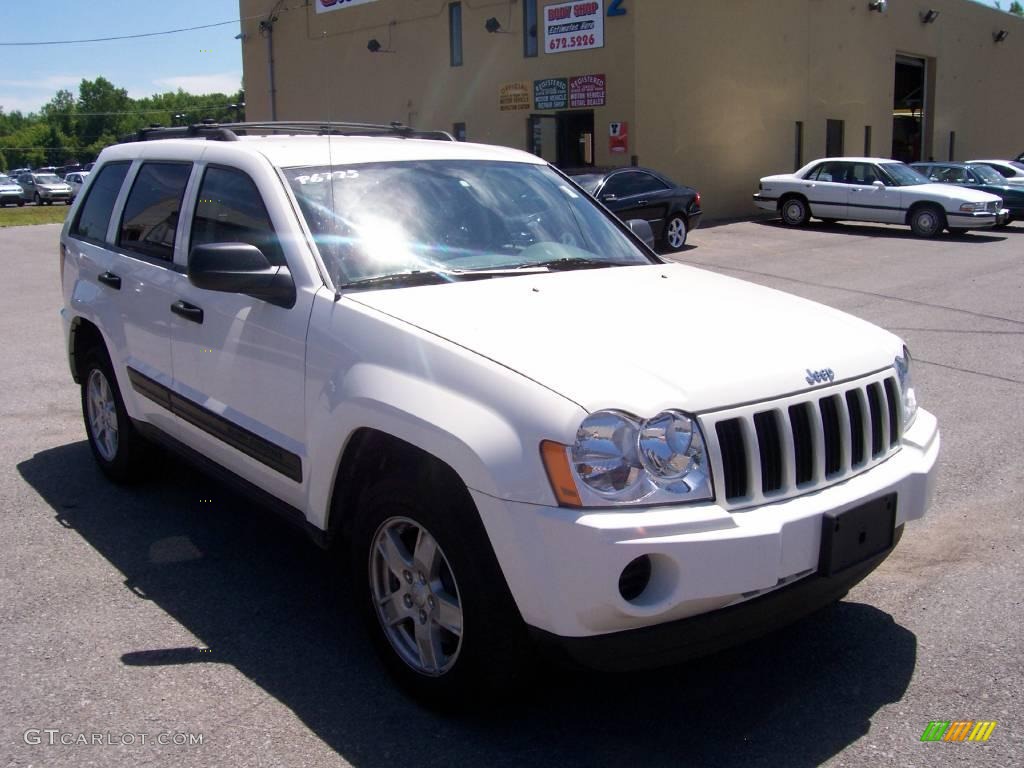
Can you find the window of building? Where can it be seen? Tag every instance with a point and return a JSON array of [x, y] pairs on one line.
[[94, 215], [150, 219], [230, 210], [459, 131], [952, 146], [867, 141], [455, 33], [798, 146], [834, 143], [529, 28]]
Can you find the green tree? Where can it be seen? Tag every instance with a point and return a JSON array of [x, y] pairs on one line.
[[60, 111], [102, 109], [1017, 8]]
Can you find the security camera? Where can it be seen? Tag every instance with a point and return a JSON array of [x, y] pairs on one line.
[[877, 5]]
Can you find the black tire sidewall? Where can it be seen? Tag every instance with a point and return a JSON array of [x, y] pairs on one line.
[[940, 222], [494, 635], [803, 218]]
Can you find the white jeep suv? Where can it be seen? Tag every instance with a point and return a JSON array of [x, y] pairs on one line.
[[518, 422]]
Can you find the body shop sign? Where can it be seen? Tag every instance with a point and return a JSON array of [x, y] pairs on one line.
[[574, 26], [552, 93], [587, 91], [323, 6]]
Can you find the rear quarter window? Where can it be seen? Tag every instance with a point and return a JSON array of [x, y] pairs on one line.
[[94, 215]]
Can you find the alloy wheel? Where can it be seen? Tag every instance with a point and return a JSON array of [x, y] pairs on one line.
[[102, 412], [415, 596]]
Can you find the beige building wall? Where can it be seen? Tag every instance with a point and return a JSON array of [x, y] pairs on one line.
[[711, 89]]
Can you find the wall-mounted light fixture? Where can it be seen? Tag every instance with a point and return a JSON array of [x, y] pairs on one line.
[[998, 37], [877, 5], [492, 25], [929, 16], [373, 46]]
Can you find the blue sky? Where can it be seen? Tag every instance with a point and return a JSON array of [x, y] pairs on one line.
[[203, 61]]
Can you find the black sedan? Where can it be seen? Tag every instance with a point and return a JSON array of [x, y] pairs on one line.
[[672, 210], [980, 177]]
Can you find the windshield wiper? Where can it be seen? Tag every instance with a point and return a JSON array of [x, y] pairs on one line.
[[402, 279], [566, 264]]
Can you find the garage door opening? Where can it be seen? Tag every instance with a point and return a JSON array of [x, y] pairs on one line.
[[908, 110], [565, 139]]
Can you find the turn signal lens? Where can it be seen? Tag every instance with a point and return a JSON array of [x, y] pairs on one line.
[[556, 462]]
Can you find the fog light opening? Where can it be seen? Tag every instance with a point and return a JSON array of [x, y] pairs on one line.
[[634, 578]]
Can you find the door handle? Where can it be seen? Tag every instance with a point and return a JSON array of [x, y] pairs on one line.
[[188, 311], [643, 202], [110, 279]]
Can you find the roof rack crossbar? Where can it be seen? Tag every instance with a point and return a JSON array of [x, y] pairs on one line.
[[230, 131]]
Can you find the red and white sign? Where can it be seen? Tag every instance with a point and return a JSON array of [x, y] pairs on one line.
[[618, 138], [586, 91], [323, 6], [574, 26]]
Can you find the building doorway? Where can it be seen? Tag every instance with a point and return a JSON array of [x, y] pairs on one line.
[[565, 139], [909, 118]]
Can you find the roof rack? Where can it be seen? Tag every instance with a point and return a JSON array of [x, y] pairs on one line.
[[214, 131]]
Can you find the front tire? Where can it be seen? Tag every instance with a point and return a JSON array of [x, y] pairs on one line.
[[794, 211], [927, 221], [675, 233], [118, 449], [36, 199], [432, 595]]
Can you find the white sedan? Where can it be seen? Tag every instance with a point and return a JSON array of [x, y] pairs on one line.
[[1012, 170], [879, 190], [76, 180]]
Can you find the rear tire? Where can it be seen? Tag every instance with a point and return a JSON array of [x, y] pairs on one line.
[[675, 233], [119, 450], [794, 211], [927, 221], [432, 595]]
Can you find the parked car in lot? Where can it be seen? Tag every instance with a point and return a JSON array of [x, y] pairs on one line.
[[673, 210], [980, 177], [469, 377], [44, 189], [75, 180], [10, 191], [1011, 170], [878, 190]]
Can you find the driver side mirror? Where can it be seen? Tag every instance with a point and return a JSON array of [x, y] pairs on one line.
[[240, 268], [878, 183], [642, 229]]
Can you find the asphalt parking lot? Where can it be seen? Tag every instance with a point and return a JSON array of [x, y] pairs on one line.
[[176, 610]]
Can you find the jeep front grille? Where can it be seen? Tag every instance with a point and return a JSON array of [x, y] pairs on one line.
[[777, 449]]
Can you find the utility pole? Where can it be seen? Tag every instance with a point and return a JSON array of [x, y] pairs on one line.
[[267, 30]]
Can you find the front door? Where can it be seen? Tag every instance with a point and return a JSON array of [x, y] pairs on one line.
[[239, 361], [870, 202]]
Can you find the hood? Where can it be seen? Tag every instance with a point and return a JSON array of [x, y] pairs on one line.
[[952, 192], [645, 338], [10, 187]]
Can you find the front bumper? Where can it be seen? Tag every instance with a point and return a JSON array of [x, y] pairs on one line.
[[563, 565], [976, 220], [10, 197], [766, 202], [684, 639]]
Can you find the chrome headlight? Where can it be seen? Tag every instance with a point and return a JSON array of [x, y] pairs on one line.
[[908, 396], [972, 207], [624, 459]]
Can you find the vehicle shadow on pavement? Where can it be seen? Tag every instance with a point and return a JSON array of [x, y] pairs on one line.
[[257, 594], [896, 231]]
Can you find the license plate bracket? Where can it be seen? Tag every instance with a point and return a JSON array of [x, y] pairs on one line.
[[855, 535]]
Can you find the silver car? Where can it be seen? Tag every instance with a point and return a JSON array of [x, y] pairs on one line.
[[10, 191], [76, 181], [44, 188]]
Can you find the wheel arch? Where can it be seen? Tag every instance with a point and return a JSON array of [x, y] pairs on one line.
[[919, 204], [83, 336]]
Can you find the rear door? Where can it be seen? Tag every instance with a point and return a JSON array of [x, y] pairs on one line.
[[239, 362], [826, 190]]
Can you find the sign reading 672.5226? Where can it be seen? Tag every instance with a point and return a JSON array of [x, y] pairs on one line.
[[574, 26]]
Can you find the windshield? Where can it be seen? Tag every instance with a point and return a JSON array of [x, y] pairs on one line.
[[988, 175], [903, 175], [375, 220], [5, 179], [47, 178]]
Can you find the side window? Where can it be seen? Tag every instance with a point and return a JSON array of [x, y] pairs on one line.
[[834, 172], [94, 215], [150, 219], [230, 210], [631, 183]]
